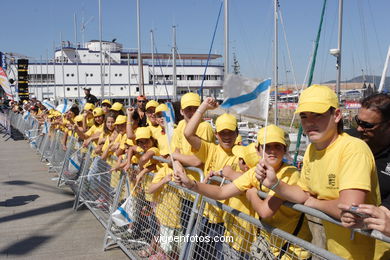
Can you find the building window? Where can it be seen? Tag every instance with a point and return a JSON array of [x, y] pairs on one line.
[[116, 74], [67, 74], [120, 74], [121, 88], [68, 89], [86, 74], [106, 74], [72, 75], [91, 75], [75, 88]]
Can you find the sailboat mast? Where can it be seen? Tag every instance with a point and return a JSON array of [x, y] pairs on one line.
[[226, 37], [62, 65], [76, 56], [101, 50], [174, 79], [54, 71], [47, 74], [153, 77], [275, 69], [141, 87], [382, 83], [338, 62]]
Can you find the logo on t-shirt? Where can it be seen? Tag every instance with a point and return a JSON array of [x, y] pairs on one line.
[[331, 181], [387, 170]]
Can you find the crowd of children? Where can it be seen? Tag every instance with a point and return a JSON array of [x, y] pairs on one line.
[[338, 172]]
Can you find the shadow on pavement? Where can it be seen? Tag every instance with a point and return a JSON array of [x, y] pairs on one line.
[[18, 201], [38, 211]]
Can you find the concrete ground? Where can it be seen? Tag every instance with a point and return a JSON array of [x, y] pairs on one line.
[[36, 218]]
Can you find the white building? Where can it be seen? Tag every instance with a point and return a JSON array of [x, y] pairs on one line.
[[77, 67]]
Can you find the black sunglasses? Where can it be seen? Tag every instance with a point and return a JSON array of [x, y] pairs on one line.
[[141, 101], [364, 124]]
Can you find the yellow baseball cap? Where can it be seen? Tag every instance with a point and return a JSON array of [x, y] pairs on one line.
[[226, 121], [89, 106], [190, 99], [98, 112], [78, 118], [274, 134], [161, 108], [151, 103], [117, 106], [317, 99], [120, 120], [56, 113], [129, 142], [106, 101], [247, 153], [142, 133]]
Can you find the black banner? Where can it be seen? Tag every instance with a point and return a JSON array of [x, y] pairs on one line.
[[23, 79]]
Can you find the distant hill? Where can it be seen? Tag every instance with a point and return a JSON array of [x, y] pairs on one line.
[[369, 79]]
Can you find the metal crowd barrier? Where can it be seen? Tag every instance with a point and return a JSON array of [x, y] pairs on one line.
[[170, 211], [74, 163], [318, 214], [5, 122], [98, 188]]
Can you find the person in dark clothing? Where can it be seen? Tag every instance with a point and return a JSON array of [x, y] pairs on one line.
[[141, 104], [89, 98], [373, 126]]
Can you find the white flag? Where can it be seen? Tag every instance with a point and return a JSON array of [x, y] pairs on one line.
[[246, 96]]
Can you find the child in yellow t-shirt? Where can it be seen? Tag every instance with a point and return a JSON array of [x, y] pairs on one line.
[[269, 209], [168, 212], [337, 170], [214, 157]]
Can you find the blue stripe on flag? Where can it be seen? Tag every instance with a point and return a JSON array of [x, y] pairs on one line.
[[171, 110], [65, 105], [263, 86], [74, 164], [124, 213], [26, 116], [49, 105]]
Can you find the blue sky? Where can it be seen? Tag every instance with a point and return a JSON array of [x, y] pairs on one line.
[[31, 28]]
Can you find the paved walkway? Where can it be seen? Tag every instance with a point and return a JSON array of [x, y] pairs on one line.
[[36, 218]]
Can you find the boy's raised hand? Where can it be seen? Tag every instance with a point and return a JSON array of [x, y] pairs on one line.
[[265, 173]]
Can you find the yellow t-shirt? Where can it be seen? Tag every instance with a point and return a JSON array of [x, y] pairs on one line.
[[90, 122], [215, 158], [168, 209], [243, 232], [122, 142], [204, 132], [94, 129], [154, 129], [162, 141], [63, 127], [347, 163], [284, 218]]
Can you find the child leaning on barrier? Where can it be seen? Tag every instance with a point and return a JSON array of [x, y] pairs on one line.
[[168, 212], [160, 134], [93, 133], [88, 120], [141, 153], [108, 132], [214, 157], [270, 210], [337, 169]]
